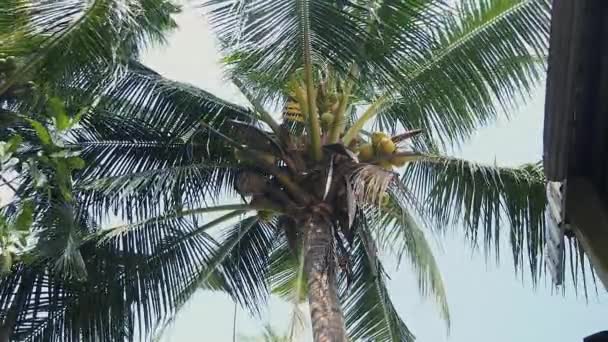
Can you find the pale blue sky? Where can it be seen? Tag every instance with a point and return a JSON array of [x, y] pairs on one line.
[[487, 302]]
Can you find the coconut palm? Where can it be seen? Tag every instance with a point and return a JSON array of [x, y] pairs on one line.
[[339, 159]]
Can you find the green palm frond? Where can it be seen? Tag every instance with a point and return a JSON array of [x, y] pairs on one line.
[[139, 92], [486, 55], [272, 36], [482, 197], [287, 277], [398, 34], [386, 35], [243, 262], [131, 167], [130, 287], [289, 282], [238, 266], [58, 39], [368, 310], [397, 230]]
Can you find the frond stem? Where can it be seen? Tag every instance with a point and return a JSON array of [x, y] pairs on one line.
[[371, 111], [314, 127], [239, 207], [264, 115], [340, 120]]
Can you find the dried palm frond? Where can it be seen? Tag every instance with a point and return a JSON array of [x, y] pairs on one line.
[[370, 183]]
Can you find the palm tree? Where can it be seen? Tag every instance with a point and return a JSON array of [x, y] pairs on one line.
[[316, 196]]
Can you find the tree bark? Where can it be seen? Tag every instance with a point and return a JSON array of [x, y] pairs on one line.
[[6, 328], [320, 267]]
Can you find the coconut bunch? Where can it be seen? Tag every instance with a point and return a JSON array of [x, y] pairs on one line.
[[327, 98], [8, 67], [382, 150]]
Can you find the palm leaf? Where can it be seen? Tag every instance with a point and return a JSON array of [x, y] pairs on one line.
[[368, 310], [397, 230], [486, 56], [243, 262], [142, 93], [289, 282], [130, 286], [58, 39], [480, 197], [132, 167], [271, 36]]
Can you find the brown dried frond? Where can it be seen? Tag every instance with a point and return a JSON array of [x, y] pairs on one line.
[[370, 183]]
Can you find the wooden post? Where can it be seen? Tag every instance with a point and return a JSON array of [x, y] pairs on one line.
[[589, 217]]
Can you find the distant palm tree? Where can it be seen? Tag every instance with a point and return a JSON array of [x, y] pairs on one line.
[[328, 197], [269, 335]]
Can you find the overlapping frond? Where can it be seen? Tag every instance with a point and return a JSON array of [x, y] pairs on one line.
[[56, 40], [130, 286], [398, 231], [487, 55], [146, 143], [368, 310], [135, 170], [139, 92], [379, 38], [243, 262], [484, 197], [271, 36]]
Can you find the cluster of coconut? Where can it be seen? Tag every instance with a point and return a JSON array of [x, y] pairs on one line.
[[382, 151], [8, 67]]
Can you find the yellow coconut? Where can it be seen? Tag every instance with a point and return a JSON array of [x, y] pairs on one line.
[[366, 152], [327, 119], [377, 136], [386, 146]]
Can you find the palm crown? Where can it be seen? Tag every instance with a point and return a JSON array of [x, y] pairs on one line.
[[318, 194]]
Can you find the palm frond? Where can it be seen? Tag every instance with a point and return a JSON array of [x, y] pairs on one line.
[[369, 312], [57, 39], [480, 197], [142, 93], [487, 55], [398, 34], [397, 231], [130, 287], [270, 36], [243, 262], [288, 281], [133, 167]]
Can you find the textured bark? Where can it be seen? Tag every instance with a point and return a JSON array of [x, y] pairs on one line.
[[7, 326], [325, 312]]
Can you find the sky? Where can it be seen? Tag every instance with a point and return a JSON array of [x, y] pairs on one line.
[[487, 301]]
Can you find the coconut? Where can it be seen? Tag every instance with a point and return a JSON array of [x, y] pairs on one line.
[[327, 119], [377, 136], [385, 200], [386, 146], [366, 152]]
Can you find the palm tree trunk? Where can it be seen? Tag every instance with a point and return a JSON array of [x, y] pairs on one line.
[[6, 328], [325, 312]]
